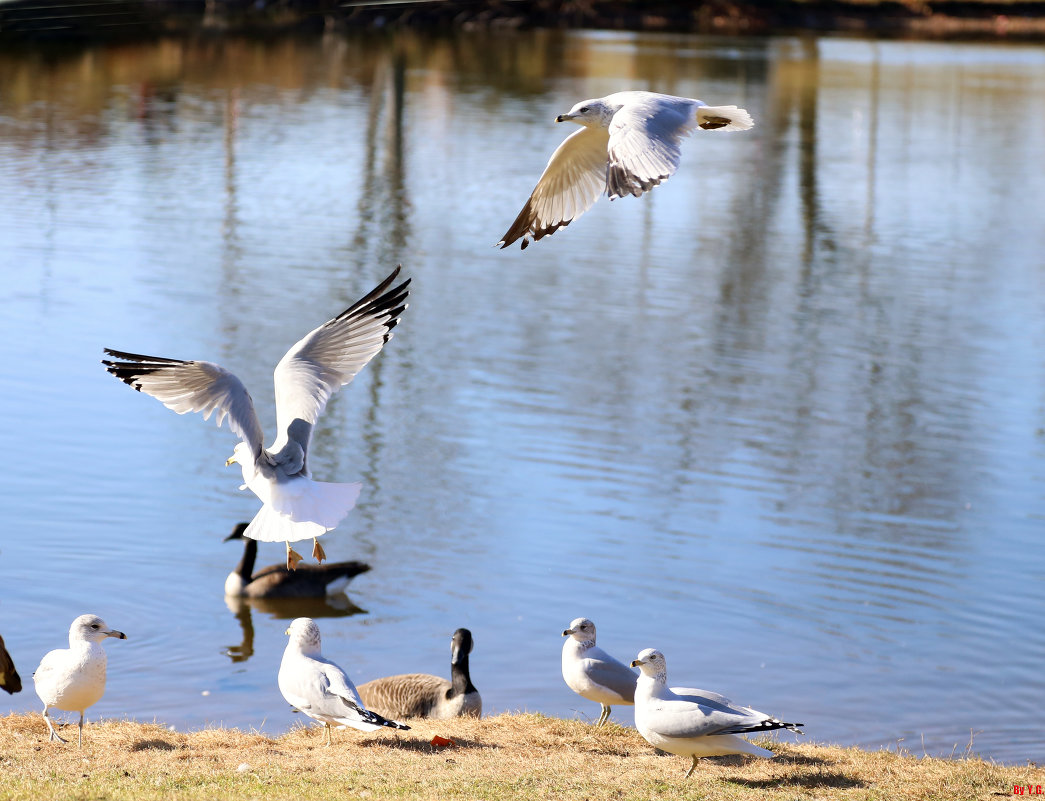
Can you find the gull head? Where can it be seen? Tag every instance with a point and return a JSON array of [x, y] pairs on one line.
[[590, 114], [304, 635], [460, 645], [241, 455], [91, 628], [582, 630], [651, 663]]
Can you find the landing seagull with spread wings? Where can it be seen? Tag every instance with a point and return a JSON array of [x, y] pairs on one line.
[[628, 143], [294, 507]]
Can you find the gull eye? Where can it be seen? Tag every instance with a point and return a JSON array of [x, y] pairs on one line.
[[95, 626], [585, 109]]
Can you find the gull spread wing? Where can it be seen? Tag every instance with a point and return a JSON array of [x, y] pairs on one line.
[[330, 356], [646, 132], [570, 184], [191, 386], [644, 141]]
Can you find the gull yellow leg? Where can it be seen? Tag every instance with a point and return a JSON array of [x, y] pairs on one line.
[[691, 768]]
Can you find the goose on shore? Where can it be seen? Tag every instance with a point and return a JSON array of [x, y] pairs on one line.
[[9, 678], [422, 695], [691, 722], [592, 673], [319, 688], [276, 581], [73, 679]]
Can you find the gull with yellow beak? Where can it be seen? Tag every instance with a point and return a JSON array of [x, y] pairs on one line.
[[294, 507]]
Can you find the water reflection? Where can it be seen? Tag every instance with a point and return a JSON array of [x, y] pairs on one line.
[[339, 605]]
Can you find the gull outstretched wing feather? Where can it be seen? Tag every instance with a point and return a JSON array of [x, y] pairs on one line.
[[570, 184], [329, 357], [191, 386]]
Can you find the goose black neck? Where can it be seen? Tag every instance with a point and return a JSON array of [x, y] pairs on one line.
[[460, 679], [250, 554]]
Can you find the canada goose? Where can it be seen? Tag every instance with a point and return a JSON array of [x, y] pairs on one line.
[[420, 695], [9, 678], [73, 678], [276, 581], [694, 723], [592, 673], [318, 687], [294, 507]]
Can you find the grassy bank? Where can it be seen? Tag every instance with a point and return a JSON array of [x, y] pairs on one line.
[[503, 757]]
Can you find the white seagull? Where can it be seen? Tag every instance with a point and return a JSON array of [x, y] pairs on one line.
[[73, 679], [592, 673], [691, 722], [319, 688], [628, 143], [294, 507]]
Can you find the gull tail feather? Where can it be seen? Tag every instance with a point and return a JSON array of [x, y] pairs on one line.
[[301, 510], [724, 118]]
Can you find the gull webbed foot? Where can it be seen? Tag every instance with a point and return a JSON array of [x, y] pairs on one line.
[[293, 557], [317, 551]]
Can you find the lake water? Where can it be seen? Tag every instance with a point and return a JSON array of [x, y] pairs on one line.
[[783, 418]]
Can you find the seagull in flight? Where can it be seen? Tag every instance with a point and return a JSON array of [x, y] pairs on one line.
[[294, 507], [628, 143]]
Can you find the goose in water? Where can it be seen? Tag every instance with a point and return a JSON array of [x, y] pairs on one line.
[[319, 688], [694, 723], [9, 678], [592, 673], [276, 581], [294, 507], [73, 678], [421, 695]]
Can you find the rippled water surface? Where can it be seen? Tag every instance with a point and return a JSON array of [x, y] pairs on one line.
[[782, 418]]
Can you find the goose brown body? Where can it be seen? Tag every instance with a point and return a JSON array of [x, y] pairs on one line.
[[422, 695]]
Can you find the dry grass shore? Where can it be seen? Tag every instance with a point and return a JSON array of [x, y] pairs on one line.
[[505, 757]]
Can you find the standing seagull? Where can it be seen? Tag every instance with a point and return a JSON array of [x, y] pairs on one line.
[[73, 678], [629, 143], [592, 673], [9, 678], [319, 688], [422, 695], [694, 723], [294, 507]]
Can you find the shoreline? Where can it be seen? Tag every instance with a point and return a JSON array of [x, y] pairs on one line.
[[33, 21], [507, 756]]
